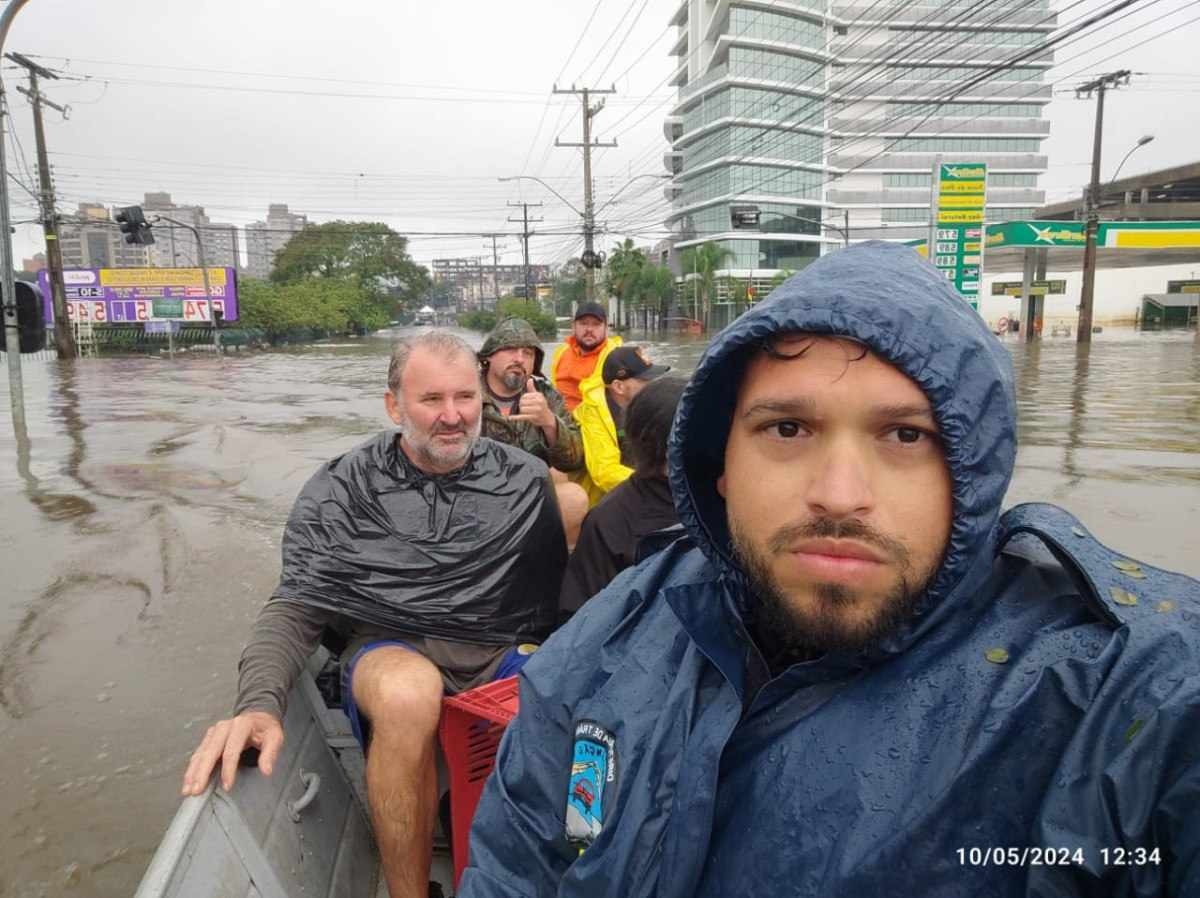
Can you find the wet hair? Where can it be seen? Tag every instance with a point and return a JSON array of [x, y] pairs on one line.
[[648, 424], [440, 343], [790, 345]]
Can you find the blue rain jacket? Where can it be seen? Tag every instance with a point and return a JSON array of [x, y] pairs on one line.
[[918, 768]]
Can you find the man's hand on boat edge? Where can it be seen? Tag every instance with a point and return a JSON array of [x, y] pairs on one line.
[[225, 741]]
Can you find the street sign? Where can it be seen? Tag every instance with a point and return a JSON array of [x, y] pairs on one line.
[[107, 295], [162, 327], [1037, 288], [961, 197]]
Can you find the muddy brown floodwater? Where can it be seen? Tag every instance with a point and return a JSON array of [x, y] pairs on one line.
[[139, 534]]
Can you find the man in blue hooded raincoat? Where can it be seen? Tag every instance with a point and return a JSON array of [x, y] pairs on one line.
[[857, 677]]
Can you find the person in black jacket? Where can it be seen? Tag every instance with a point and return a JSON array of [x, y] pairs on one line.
[[641, 505]]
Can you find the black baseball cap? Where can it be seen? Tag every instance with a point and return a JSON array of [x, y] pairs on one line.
[[591, 308], [625, 362]]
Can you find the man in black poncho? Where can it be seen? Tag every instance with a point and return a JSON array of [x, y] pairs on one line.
[[437, 555]]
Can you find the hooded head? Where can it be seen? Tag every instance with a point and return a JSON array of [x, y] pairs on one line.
[[513, 333], [823, 369]]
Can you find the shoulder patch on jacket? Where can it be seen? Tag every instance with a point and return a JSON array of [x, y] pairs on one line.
[[593, 777]]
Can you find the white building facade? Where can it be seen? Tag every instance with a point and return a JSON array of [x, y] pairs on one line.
[[265, 239]]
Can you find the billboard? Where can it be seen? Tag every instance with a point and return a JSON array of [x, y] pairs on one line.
[[131, 295]]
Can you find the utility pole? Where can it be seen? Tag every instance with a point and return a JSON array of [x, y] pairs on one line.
[[8, 287], [495, 267], [1087, 293], [525, 233], [64, 338], [590, 261]]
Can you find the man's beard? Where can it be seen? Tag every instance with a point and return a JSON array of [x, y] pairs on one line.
[[587, 344], [513, 378], [822, 626], [434, 455]]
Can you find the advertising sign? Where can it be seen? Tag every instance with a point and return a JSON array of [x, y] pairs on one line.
[[958, 233], [1037, 288], [120, 295]]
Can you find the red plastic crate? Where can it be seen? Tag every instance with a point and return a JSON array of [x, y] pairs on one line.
[[470, 730]]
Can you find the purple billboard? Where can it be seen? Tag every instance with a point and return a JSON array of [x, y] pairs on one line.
[[120, 295]]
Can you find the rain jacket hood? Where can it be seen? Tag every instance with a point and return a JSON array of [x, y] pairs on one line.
[[514, 333], [1031, 732], [916, 321]]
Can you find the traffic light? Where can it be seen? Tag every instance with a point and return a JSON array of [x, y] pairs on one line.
[[132, 222], [31, 322]]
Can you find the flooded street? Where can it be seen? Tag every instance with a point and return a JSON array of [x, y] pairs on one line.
[[140, 525]]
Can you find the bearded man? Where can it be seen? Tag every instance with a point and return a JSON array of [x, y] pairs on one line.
[[859, 676], [436, 556]]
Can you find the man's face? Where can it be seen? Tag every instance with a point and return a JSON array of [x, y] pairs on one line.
[[625, 389], [837, 492], [508, 369], [590, 332], [439, 410]]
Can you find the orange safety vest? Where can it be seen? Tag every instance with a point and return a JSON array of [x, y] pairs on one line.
[[570, 366]]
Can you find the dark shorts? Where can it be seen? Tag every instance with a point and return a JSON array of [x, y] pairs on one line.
[[462, 665]]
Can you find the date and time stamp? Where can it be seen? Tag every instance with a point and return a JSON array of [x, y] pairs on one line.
[[1041, 856]]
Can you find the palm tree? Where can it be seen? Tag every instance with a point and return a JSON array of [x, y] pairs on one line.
[[656, 285], [625, 262], [705, 261]]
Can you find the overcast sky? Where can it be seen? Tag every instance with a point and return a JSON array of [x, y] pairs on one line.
[[409, 112]]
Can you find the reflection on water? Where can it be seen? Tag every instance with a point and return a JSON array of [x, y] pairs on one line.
[[139, 529]]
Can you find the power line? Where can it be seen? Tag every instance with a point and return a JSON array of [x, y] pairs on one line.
[[1064, 78], [955, 90], [935, 104]]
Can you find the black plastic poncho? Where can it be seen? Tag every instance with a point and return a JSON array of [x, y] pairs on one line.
[[475, 556]]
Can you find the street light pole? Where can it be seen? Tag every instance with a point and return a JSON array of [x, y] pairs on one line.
[[1087, 293], [204, 274], [8, 296], [1142, 141]]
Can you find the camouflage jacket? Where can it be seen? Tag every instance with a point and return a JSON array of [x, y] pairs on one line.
[[567, 452]]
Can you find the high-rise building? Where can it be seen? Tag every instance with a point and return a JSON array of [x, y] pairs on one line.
[[175, 246], [796, 118], [475, 282], [93, 240], [265, 239]]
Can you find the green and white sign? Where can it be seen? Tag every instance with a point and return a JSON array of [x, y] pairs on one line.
[[957, 249]]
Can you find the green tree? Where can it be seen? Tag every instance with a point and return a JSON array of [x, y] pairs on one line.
[[625, 263], [305, 309], [570, 288], [369, 255], [511, 307], [705, 261], [656, 288]]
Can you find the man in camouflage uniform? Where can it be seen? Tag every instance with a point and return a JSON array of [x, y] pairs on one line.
[[521, 408]]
